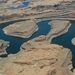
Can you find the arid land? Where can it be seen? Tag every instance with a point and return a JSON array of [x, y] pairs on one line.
[[43, 9], [23, 29], [37, 56], [3, 46]]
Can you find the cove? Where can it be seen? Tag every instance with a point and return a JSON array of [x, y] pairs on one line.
[[65, 40], [15, 42], [25, 4]]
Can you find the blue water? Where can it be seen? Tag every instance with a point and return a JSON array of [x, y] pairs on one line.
[[25, 4], [65, 40], [15, 42]]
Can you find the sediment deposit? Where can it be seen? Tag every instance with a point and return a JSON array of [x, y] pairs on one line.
[[22, 29]]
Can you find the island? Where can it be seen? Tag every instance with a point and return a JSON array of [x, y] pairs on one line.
[[3, 46], [23, 29]]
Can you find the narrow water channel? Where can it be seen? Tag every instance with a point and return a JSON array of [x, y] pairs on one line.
[[15, 42], [65, 40]]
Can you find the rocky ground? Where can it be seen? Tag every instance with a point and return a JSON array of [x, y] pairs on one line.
[[25, 29], [58, 27], [38, 58], [39, 9], [3, 46]]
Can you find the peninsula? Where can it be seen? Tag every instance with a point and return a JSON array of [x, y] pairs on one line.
[[22, 29], [58, 27]]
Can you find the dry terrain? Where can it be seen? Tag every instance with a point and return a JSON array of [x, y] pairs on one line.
[[3, 46], [39, 9], [73, 41], [38, 58], [58, 27]]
